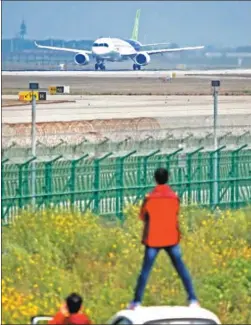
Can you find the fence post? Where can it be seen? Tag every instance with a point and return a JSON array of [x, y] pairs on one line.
[[143, 179], [214, 184], [206, 137], [224, 136], [235, 175], [39, 143], [199, 176], [139, 159], [20, 183], [56, 146], [78, 145], [184, 140], [120, 183], [2, 186], [123, 141], [73, 177], [242, 135], [168, 158], [171, 155], [97, 181], [48, 178], [167, 137], [99, 145], [189, 172], [5, 150], [20, 180], [146, 139], [103, 142], [145, 165]]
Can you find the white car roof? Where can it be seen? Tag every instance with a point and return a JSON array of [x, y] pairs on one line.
[[145, 314]]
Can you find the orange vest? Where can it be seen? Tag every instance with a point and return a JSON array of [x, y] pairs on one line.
[[160, 215], [78, 318]]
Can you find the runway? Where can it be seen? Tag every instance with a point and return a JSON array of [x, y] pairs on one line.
[[115, 103], [114, 107], [126, 83], [129, 74]]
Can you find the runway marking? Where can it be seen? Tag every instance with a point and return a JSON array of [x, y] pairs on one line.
[[130, 74]]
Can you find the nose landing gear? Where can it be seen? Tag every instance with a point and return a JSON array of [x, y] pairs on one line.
[[136, 67], [99, 65]]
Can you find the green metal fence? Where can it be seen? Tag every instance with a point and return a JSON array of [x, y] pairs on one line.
[[106, 184]]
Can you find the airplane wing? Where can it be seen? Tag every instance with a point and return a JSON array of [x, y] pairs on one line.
[[154, 44], [62, 49], [181, 49]]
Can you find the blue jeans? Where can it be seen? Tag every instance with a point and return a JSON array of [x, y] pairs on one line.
[[174, 253]]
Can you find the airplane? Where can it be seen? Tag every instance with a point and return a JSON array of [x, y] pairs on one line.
[[116, 50]]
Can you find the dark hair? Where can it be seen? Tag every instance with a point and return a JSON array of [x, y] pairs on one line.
[[74, 302], [161, 176]]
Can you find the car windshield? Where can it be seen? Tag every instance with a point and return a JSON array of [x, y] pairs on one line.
[[191, 321], [123, 321]]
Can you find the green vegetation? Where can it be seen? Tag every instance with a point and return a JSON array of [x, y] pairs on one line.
[[49, 254]]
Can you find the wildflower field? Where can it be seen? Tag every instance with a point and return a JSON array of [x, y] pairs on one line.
[[48, 255]]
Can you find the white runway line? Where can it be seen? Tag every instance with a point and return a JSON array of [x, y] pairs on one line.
[[124, 74]]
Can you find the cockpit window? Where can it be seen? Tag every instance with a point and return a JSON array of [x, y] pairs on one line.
[[123, 321], [100, 45]]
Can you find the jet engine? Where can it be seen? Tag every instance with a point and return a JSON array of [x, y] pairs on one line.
[[82, 58], [142, 58]]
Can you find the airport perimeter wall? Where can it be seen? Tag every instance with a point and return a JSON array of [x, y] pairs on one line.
[[105, 185]]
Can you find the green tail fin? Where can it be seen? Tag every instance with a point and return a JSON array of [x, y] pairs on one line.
[[135, 31]]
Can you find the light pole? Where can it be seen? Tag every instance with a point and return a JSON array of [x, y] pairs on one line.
[[33, 148], [33, 86], [215, 86]]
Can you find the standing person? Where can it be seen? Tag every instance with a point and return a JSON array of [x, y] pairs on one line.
[[159, 213], [70, 312]]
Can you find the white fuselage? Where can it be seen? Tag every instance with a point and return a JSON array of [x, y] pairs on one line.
[[112, 49]]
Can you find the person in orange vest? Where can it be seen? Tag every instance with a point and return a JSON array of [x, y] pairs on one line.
[[159, 212], [70, 313]]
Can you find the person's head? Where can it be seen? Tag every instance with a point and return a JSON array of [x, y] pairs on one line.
[[74, 302], [161, 176]]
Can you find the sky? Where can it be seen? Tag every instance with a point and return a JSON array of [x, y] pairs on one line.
[[188, 23]]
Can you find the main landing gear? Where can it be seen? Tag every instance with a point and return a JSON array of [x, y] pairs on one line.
[[136, 67], [100, 66]]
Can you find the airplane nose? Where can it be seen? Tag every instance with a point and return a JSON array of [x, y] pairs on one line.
[[99, 51], [96, 50]]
